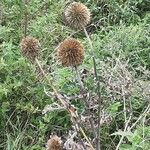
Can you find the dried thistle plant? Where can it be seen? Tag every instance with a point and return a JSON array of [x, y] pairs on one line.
[[70, 52], [77, 15], [30, 48]]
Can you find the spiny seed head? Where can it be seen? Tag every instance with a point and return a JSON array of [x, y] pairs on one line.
[[77, 15], [54, 143], [30, 47], [70, 52]]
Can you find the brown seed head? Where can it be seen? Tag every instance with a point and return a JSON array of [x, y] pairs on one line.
[[77, 15], [54, 143], [30, 47], [70, 52]]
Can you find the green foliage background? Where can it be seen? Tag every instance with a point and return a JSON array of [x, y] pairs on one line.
[[119, 28]]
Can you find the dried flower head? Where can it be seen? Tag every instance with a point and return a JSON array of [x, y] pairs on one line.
[[30, 47], [54, 143], [77, 15], [70, 52]]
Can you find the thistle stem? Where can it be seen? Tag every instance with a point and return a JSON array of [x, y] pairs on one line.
[[26, 18], [64, 102], [49, 82], [79, 78], [98, 89], [91, 120]]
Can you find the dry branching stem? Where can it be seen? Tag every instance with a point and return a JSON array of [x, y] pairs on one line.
[[65, 104], [91, 120], [98, 90]]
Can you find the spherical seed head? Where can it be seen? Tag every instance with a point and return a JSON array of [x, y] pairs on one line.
[[70, 52], [30, 47], [54, 143], [77, 15]]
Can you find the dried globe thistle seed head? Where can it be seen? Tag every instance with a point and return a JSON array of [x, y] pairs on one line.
[[30, 47], [70, 52], [77, 15], [54, 143]]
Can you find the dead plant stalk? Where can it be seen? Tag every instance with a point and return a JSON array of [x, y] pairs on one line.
[[91, 120], [65, 104], [98, 136]]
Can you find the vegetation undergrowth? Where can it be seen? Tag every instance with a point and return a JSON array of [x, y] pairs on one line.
[[120, 35]]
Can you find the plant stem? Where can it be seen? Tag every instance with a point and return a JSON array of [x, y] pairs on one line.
[[82, 131], [98, 147], [125, 129], [50, 82], [91, 120], [26, 18], [65, 103], [124, 106], [79, 78], [147, 110]]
